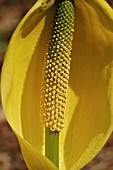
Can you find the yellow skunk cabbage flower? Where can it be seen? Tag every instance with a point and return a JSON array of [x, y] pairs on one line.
[[89, 104]]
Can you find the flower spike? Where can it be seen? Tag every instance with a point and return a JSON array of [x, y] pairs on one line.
[[57, 67]]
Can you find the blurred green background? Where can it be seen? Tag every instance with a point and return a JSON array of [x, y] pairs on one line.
[[11, 12]]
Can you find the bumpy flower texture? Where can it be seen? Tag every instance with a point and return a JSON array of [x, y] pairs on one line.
[[89, 108]]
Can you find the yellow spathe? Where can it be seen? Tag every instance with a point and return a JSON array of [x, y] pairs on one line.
[[89, 109]]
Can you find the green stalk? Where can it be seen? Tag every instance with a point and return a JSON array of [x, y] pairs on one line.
[[52, 146]]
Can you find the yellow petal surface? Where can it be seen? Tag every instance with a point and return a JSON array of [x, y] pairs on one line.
[[89, 114]]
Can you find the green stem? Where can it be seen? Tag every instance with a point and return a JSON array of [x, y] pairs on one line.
[[52, 146]]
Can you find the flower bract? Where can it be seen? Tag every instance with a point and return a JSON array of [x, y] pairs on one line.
[[89, 107]]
